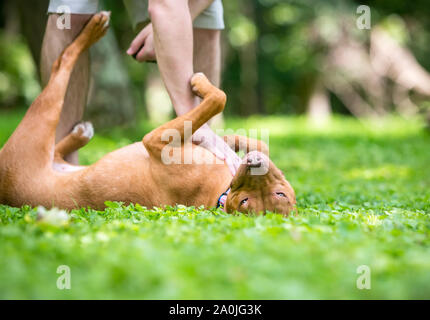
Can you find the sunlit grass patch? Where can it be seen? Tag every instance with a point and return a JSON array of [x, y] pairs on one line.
[[382, 172], [363, 199]]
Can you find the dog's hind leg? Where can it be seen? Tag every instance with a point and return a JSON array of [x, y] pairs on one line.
[[35, 136], [78, 138]]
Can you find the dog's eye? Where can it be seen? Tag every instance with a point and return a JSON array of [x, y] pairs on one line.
[[244, 201], [281, 194]]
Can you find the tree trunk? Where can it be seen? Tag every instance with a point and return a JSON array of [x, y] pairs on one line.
[[32, 21]]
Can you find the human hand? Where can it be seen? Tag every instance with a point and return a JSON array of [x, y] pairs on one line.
[[142, 47], [206, 138]]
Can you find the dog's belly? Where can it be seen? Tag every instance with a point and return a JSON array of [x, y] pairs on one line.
[[68, 187], [129, 175], [126, 175]]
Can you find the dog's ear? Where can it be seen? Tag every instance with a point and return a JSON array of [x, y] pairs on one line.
[[230, 140], [237, 143], [263, 147]]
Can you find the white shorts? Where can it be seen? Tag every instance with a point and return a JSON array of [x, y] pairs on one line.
[[211, 18]]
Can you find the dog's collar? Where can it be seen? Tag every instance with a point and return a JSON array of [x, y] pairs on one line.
[[222, 199]]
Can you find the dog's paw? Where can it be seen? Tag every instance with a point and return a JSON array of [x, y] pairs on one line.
[[95, 29], [200, 85], [106, 14], [84, 130]]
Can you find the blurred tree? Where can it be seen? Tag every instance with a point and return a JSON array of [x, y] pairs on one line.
[[111, 101], [312, 58], [18, 74], [110, 98], [32, 19], [280, 56]]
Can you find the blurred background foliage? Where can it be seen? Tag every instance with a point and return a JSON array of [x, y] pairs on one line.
[[279, 57]]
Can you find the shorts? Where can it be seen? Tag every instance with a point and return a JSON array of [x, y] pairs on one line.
[[211, 18]]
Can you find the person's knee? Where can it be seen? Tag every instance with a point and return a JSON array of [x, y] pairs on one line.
[[158, 8]]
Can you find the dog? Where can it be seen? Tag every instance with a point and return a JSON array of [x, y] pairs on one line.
[[33, 170]]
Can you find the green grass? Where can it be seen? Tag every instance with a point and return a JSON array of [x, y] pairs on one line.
[[363, 191]]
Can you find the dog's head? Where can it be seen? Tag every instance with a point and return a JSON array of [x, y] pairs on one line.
[[259, 186]]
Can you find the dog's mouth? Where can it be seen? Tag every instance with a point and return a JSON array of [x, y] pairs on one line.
[[254, 165]]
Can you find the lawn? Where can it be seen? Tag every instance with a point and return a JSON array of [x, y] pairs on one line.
[[363, 191]]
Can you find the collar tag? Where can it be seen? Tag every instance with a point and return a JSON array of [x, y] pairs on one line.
[[222, 199]]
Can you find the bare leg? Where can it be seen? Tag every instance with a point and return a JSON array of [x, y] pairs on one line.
[[54, 43], [173, 42], [207, 54], [207, 59]]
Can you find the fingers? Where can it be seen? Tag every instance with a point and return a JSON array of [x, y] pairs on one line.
[[230, 166], [235, 161], [217, 152], [139, 41], [203, 139], [232, 161], [145, 55], [136, 44], [227, 155], [207, 139], [220, 153], [145, 49]]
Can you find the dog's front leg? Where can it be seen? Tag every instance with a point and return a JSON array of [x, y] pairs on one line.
[[213, 103]]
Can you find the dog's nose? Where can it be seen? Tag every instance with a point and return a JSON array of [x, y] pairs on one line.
[[254, 160], [257, 163]]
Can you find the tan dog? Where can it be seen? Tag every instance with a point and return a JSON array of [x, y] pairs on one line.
[[33, 172]]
